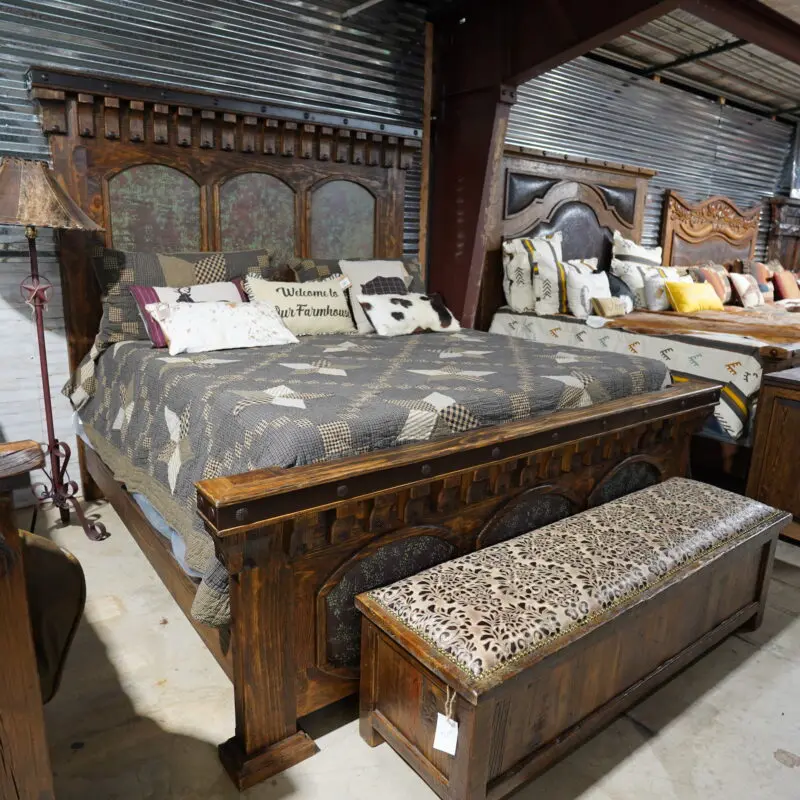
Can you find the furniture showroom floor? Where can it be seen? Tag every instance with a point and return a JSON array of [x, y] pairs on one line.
[[143, 705]]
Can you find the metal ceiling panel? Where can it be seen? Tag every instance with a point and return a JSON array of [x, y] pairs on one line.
[[700, 148]]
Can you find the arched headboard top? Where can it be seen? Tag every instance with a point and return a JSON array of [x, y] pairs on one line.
[[713, 230]]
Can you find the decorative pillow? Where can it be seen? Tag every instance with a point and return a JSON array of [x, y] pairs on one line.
[[686, 298], [202, 327], [718, 278], [747, 292], [775, 266], [612, 306], [202, 293], [522, 260], [316, 269], [656, 293], [583, 265], [583, 288], [361, 272], [117, 271], [309, 308], [619, 288], [786, 287], [398, 315], [632, 276], [627, 250], [381, 285], [760, 271]]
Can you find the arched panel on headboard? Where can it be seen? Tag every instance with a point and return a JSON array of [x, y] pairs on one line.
[[257, 209], [154, 207], [343, 220]]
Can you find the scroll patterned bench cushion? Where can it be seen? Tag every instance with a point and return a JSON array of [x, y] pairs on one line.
[[485, 610]]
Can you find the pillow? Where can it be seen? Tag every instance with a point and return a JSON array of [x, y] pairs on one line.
[[747, 291], [656, 293], [116, 271], [775, 266], [307, 309], [786, 287], [316, 269], [632, 276], [619, 288], [521, 259], [201, 293], [582, 288], [718, 278], [202, 327], [760, 271], [583, 265], [398, 315], [381, 285], [361, 272], [688, 297], [612, 306], [627, 250]]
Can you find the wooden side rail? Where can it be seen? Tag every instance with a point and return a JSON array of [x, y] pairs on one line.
[[24, 760]]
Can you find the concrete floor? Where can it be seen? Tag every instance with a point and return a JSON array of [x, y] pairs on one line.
[[143, 705]]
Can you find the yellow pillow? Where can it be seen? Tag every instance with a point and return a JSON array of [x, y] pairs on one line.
[[686, 298]]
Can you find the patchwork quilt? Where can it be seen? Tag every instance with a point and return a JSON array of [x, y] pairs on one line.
[[164, 422], [732, 360]]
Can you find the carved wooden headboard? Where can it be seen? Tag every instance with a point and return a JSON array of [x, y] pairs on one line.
[[586, 200], [715, 230], [172, 171]]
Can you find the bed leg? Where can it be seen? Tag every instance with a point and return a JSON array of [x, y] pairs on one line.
[[267, 740]]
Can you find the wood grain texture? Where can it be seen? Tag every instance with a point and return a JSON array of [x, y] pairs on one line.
[[520, 720], [784, 232], [24, 758], [17, 458]]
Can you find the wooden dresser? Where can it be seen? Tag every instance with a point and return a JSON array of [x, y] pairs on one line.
[[775, 470]]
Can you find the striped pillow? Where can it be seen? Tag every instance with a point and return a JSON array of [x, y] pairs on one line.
[[522, 260]]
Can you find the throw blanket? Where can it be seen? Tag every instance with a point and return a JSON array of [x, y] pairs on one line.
[[163, 422]]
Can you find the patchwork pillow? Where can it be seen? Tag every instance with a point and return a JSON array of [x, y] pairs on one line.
[[399, 315], [786, 287], [655, 289], [582, 289], [117, 271], [688, 297], [310, 308], [316, 269], [201, 293], [627, 250], [361, 272], [612, 306], [522, 260], [718, 278], [203, 327], [747, 291]]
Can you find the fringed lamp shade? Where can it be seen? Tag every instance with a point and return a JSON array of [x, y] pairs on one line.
[[29, 195]]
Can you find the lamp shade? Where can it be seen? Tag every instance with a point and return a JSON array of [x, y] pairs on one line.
[[29, 195]]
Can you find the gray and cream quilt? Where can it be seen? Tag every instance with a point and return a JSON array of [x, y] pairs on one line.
[[164, 422]]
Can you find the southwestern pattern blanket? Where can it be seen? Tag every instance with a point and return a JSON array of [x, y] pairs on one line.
[[163, 422]]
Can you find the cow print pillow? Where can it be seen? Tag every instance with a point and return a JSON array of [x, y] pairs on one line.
[[398, 315]]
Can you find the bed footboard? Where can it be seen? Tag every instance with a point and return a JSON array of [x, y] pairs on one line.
[[299, 544]]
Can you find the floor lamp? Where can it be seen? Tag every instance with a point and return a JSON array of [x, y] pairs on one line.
[[30, 196]]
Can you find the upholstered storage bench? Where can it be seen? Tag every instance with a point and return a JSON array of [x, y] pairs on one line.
[[536, 643]]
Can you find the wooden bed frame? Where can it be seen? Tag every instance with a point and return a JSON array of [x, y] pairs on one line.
[[298, 544]]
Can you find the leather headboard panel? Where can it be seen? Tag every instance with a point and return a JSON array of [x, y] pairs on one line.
[[584, 236], [523, 189], [715, 249]]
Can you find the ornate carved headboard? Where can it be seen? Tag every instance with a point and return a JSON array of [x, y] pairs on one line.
[[173, 171], [715, 230], [586, 200]]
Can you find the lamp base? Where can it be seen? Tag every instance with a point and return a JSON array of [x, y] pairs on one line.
[[62, 491]]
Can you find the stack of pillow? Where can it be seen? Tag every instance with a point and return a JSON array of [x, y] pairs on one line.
[[538, 280]]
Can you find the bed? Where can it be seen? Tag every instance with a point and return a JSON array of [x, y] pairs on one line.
[[733, 348], [295, 543]]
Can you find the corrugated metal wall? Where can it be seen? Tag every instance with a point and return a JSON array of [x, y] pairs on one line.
[[700, 148], [287, 52]]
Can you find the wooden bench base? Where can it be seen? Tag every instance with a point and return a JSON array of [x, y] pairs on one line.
[[521, 726]]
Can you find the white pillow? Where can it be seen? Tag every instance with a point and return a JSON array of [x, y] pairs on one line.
[[308, 308], [581, 288], [401, 314], [522, 258], [202, 327], [583, 265], [361, 272], [654, 290], [628, 250]]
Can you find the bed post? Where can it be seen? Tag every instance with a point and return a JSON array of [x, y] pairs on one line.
[[267, 740]]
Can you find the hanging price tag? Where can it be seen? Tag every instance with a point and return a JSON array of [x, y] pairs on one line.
[[446, 737], [345, 283]]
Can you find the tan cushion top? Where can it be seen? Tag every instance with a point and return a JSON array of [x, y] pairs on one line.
[[489, 608]]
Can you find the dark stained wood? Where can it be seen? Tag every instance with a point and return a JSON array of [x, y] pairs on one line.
[[17, 458], [510, 730], [157, 551], [784, 232], [24, 758], [775, 470]]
